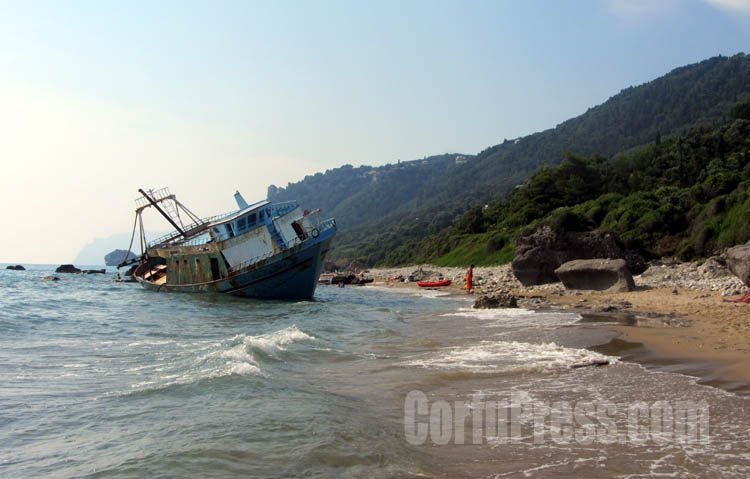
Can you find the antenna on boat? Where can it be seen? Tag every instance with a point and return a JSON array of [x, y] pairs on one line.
[[155, 205]]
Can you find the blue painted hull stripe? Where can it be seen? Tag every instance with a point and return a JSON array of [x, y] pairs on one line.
[[279, 273]]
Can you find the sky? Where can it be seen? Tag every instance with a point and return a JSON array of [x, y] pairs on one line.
[[100, 98]]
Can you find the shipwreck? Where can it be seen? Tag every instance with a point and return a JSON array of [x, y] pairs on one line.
[[262, 250]]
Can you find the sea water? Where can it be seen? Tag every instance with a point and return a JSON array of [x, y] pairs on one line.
[[104, 379]]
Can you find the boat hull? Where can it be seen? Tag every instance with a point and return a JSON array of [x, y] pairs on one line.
[[291, 274], [434, 284]]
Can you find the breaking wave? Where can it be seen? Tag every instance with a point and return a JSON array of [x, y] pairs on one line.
[[274, 342], [187, 363]]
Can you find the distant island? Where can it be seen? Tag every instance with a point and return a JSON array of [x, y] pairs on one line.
[[118, 256]]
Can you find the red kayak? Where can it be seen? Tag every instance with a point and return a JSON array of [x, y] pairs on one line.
[[431, 284]]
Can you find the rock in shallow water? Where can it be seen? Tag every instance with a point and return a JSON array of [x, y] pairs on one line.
[[67, 268], [493, 301]]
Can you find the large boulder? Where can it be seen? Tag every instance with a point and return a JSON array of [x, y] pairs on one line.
[[114, 258], [738, 261], [538, 255], [611, 275], [67, 268], [16, 267]]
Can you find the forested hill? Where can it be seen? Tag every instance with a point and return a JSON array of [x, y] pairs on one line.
[[355, 196], [380, 217], [687, 196]]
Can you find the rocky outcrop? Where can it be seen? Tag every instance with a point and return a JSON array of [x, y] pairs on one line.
[[117, 256], [67, 268], [343, 278], [94, 271], [497, 300], [50, 278], [538, 255], [16, 267], [611, 275], [738, 262], [709, 275]]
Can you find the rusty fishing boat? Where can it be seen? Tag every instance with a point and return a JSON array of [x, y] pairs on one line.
[[262, 250]]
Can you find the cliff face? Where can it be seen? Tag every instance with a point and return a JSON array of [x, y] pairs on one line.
[[117, 256]]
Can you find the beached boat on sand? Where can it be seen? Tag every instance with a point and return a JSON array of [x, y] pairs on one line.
[[434, 284], [262, 250]]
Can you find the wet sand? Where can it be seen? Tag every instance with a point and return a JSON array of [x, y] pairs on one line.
[[692, 332], [689, 325]]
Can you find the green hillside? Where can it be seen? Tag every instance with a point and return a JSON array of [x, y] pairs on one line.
[[358, 195], [378, 219], [686, 196]]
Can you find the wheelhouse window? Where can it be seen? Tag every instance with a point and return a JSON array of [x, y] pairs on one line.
[[241, 223], [251, 220]]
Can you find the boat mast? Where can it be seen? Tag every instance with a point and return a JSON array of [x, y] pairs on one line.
[[155, 205]]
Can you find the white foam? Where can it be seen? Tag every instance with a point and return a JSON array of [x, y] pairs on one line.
[[210, 366], [244, 369], [272, 342], [492, 313], [514, 317], [417, 292], [498, 356], [187, 363], [229, 368], [237, 353]]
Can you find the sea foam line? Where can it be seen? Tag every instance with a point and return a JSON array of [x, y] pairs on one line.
[[512, 317], [499, 356]]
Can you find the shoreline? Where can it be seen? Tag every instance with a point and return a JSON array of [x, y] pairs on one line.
[[688, 327], [671, 322]]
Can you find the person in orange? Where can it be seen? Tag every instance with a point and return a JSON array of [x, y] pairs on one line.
[[469, 276]]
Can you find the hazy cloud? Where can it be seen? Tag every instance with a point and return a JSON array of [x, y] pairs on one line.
[[637, 8], [731, 5]]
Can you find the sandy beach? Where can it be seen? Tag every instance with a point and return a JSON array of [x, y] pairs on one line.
[[677, 311]]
